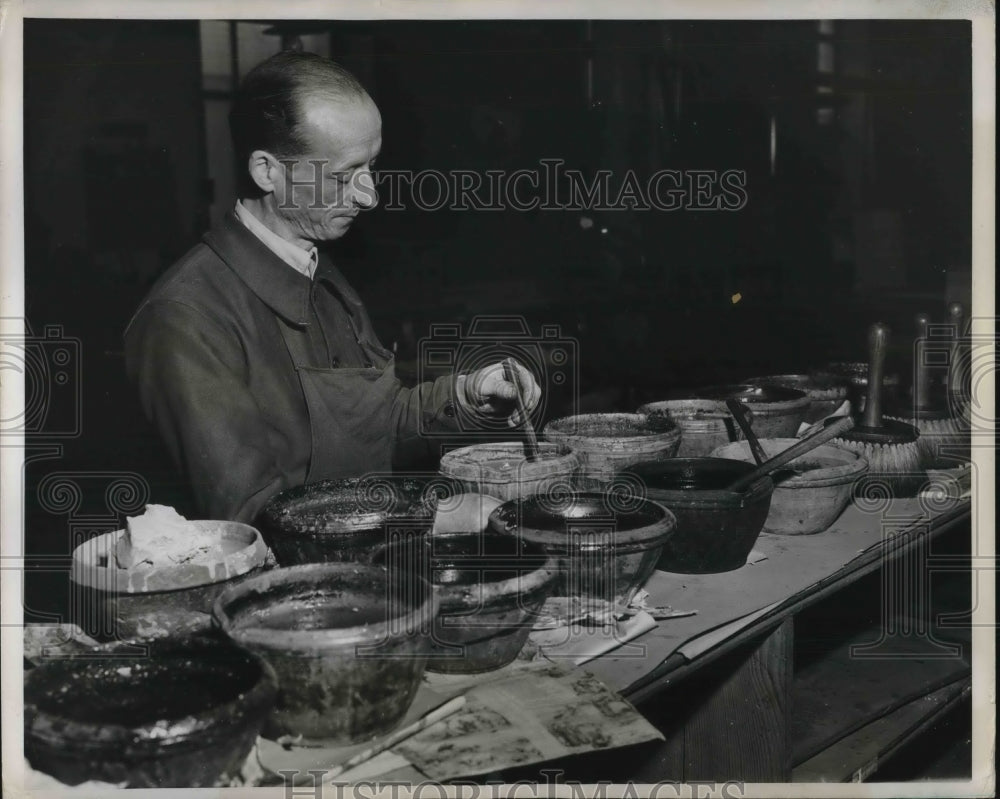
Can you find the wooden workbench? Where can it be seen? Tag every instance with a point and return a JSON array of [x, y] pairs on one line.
[[722, 684]]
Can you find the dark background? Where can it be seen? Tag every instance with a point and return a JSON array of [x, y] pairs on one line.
[[863, 214]]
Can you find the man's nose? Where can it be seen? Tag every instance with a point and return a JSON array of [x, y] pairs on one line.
[[365, 193]]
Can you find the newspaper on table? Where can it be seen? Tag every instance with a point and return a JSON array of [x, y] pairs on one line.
[[541, 712]]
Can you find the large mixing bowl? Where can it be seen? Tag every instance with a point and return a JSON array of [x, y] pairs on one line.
[[344, 640], [605, 443], [349, 520], [608, 543], [704, 424], [716, 528], [185, 714], [777, 411], [810, 492], [826, 394], [112, 603], [503, 471], [491, 587]]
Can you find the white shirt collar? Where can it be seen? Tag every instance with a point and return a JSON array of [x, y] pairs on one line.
[[300, 260]]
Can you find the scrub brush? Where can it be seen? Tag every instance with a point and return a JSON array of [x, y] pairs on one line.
[[889, 445]]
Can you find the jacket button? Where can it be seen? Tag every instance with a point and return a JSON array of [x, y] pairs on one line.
[[335, 362]]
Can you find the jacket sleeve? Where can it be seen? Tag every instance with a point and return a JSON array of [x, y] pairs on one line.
[[424, 418], [189, 371]]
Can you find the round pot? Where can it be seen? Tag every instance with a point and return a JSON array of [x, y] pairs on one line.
[[501, 470], [605, 443], [608, 544], [716, 528], [347, 521], [704, 424], [184, 714], [344, 641], [777, 411], [812, 491], [826, 394], [112, 603], [490, 586]]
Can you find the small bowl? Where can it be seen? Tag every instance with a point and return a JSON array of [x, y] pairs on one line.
[[502, 470], [608, 543], [341, 521], [826, 394], [777, 411], [344, 641], [605, 443], [491, 587], [716, 528], [812, 491], [112, 603], [182, 714], [704, 424]]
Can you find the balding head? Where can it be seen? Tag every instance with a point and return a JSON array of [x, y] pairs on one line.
[[271, 104]]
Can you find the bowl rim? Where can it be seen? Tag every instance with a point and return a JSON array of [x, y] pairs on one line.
[[50, 729], [555, 434], [162, 579], [307, 642], [854, 466], [720, 499], [637, 539], [523, 584]]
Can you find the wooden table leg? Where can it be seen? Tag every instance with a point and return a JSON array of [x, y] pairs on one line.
[[733, 723]]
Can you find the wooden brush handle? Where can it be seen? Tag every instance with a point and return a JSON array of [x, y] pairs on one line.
[[530, 440], [956, 316], [835, 428], [878, 344], [755, 448], [921, 378]]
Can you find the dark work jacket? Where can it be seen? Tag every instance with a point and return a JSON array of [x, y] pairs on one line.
[[207, 352]]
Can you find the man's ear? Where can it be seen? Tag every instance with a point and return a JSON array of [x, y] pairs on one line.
[[265, 171]]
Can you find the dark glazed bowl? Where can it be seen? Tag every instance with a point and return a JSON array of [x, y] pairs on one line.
[[608, 543], [491, 586], [716, 528], [339, 521], [344, 640], [184, 715]]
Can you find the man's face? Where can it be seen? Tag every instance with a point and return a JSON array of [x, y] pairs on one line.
[[323, 190]]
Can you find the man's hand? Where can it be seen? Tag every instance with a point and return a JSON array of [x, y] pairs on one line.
[[488, 392]]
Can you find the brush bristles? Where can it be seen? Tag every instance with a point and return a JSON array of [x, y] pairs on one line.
[[943, 443], [900, 467]]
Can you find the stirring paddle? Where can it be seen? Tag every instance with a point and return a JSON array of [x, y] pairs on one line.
[[842, 425], [737, 411]]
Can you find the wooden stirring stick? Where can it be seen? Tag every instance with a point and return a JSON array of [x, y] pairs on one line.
[[530, 440]]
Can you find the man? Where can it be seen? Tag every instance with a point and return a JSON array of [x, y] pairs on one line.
[[252, 355]]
